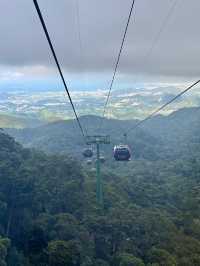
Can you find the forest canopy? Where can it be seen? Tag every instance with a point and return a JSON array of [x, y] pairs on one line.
[[49, 214]]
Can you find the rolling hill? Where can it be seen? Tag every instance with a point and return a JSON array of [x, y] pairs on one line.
[[14, 121], [161, 137]]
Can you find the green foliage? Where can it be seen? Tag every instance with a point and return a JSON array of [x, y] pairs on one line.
[[126, 259], [151, 215], [63, 253], [161, 257], [16, 258], [4, 245]]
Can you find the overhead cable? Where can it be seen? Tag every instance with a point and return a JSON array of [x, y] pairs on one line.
[[118, 57], [163, 106], [57, 64]]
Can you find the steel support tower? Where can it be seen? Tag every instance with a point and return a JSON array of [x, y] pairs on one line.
[[98, 140]]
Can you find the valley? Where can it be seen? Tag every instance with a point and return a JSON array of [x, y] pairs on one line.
[[47, 106]]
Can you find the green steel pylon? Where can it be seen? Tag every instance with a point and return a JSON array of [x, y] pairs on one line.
[[98, 140]]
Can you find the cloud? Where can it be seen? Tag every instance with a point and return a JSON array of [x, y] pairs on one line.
[[23, 45]]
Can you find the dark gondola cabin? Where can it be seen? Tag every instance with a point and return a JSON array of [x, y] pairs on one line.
[[88, 153], [122, 153], [89, 162], [102, 159]]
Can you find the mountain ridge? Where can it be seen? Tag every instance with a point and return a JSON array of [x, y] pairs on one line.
[[162, 134]]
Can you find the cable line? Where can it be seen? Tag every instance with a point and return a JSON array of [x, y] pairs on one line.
[[163, 106], [81, 49], [57, 64], [160, 31], [155, 40], [118, 57]]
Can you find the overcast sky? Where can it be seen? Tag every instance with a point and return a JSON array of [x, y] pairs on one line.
[[25, 55]]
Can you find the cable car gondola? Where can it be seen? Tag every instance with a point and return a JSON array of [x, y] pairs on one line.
[[102, 159], [122, 153], [88, 153], [89, 162]]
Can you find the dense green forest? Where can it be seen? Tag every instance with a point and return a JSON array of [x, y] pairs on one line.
[[151, 215]]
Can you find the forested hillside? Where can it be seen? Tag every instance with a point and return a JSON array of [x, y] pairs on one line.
[[162, 137], [64, 137], [14, 121], [49, 214]]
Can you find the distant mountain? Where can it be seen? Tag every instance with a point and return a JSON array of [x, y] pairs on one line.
[[161, 137], [64, 137], [13, 121]]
